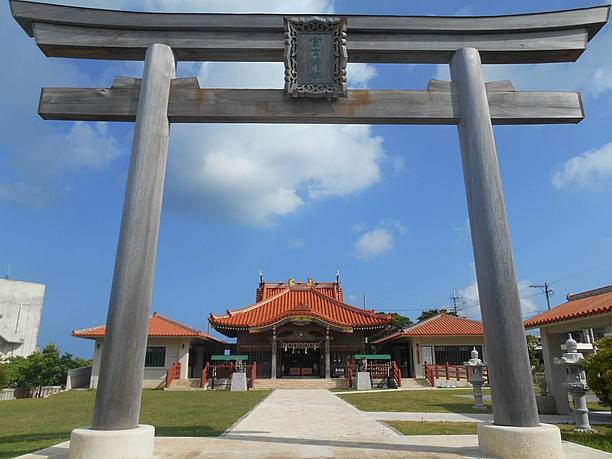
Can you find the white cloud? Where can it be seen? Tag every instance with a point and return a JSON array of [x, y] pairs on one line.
[[256, 173], [593, 168], [374, 244], [379, 240], [591, 74], [359, 75], [469, 295], [394, 224]]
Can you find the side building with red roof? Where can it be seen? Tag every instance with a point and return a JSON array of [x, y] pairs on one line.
[[587, 316], [438, 340], [168, 342], [300, 329]]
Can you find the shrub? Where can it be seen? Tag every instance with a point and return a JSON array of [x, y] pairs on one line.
[[4, 376], [599, 371]]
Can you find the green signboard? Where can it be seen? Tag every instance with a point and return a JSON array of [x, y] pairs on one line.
[[228, 358], [372, 356]]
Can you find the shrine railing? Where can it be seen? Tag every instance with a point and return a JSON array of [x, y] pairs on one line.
[[204, 378], [252, 374], [396, 373], [448, 372], [174, 372], [350, 367]]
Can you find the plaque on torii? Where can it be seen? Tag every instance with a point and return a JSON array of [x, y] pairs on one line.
[[315, 92]]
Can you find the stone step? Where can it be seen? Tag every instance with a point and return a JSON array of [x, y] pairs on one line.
[[299, 383], [414, 383], [185, 384]]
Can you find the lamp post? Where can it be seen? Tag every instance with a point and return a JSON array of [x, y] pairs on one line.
[[576, 384], [475, 378]]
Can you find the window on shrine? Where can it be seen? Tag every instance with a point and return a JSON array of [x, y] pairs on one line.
[[155, 357], [454, 355]]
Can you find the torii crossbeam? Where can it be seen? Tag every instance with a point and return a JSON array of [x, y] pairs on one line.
[[160, 99]]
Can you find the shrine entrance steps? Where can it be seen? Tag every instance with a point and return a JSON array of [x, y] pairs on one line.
[[415, 383], [298, 383], [185, 384]]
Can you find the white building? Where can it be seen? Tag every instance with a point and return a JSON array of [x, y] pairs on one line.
[[169, 343], [20, 310]]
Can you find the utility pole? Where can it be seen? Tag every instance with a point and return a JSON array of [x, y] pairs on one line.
[[547, 291], [454, 298]]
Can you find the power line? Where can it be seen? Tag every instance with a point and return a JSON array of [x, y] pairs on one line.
[[547, 291], [454, 298]]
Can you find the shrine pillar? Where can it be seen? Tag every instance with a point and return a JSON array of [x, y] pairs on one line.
[[327, 356], [515, 414], [274, 355], [119, 391]]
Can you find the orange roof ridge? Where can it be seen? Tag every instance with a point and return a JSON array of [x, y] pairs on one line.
[[575, 308], [589, 293], [351, 307], [292, 301], [252, 306], [442, 324], [158, 325], [174, 322]]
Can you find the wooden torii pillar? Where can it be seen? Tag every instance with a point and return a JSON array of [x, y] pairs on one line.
[[160, 99]]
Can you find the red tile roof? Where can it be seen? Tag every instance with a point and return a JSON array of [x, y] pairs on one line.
[[300, 300], [593, 302], [159, 326], [269, 289], [439, 325]]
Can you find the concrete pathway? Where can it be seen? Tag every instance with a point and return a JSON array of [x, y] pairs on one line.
[[315, 424], [597, 417]]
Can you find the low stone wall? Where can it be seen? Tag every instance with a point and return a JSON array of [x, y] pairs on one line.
[[78, 378], [443, 382], [11, 394]]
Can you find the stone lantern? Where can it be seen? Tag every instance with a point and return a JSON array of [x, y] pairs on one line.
[[576, 384], [475, 366]]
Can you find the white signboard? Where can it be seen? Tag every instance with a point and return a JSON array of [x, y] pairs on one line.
[[426, 354]]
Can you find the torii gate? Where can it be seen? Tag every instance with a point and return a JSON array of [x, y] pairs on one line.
[[160, 99]]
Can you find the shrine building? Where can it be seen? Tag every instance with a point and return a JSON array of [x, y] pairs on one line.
[[300, 329]]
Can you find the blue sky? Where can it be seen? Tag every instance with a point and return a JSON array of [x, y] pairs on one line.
[[385, 204]]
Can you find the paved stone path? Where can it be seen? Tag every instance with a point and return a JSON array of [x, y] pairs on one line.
[[316, 424], [600, 417]]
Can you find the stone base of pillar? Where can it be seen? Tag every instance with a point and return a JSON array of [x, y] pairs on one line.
[[111, 444], [506, 442]]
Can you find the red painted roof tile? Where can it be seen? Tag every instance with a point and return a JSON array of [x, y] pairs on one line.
[[158, 326], [300, 300], [585, 304], [439, 325]]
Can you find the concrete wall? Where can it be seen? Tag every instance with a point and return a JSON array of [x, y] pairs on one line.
[[78, 377], [20, 310], [177, 350]]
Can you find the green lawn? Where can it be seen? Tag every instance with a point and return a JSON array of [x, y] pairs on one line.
[[602, 440], [415, 401], [434, 428], [30, 424]]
